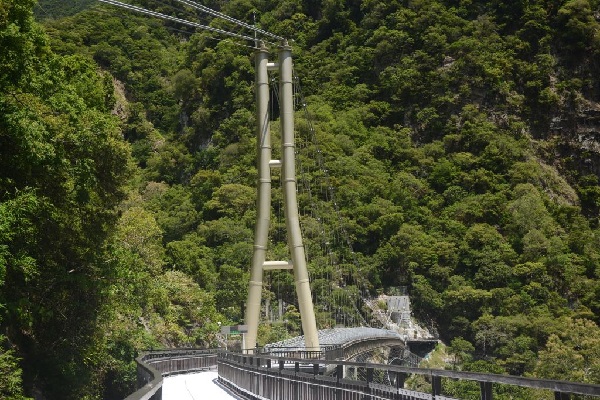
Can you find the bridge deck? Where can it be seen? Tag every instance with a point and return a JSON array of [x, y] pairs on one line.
[[340, 337], [201, 385]]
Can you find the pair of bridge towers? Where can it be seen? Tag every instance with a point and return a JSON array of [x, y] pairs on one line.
[[290, 202]]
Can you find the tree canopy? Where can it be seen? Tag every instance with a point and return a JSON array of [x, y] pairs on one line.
[[457, 155]]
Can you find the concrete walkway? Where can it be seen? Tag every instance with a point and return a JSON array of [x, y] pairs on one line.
[[198, 386]]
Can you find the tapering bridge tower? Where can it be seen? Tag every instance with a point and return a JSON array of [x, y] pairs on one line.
[[287, 164], [290, 204]]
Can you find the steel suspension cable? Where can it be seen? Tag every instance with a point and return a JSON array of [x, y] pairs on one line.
[[315, 211], [305, 170], [227, 18], [170, 28], [175, 19], [164, 3], [318, 213], [329, 194]]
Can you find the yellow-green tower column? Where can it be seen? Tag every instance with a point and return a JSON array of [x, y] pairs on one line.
[[294, 235], [263, 201]]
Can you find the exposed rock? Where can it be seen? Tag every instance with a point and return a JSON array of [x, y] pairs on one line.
[[578, 137], [120, 108]]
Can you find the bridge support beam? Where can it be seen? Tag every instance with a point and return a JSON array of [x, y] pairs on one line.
[[290, 206], [294, 235], [263, 201]]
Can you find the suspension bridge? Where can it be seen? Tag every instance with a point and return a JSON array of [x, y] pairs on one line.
[[353, 361]]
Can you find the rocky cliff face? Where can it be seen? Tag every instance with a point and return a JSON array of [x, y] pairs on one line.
[[587, 129], [578, 138], [573, 147]]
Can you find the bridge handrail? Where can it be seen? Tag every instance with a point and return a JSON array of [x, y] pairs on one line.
[[557, 386], [152, 365], [322, 352], [169, 353], [535, 383], [149, 381]]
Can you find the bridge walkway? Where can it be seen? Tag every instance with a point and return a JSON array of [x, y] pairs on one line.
[[267, 376], [195, 386]]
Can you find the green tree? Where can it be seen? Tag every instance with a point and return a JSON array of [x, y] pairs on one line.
[[572, 354], [65, 164], [461, 349], [10, 374], [580, 28], [445, 129], [488, 256]]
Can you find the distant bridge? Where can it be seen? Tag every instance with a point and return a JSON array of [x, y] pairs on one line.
[[343, 344]]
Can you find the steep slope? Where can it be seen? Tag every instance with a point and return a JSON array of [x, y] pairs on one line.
[[460, 138], [440, 122], [55, 9]]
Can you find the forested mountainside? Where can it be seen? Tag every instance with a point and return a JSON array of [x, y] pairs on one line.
[[461, 138], [54, 9]]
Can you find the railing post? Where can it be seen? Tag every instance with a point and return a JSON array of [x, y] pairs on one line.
[[295, 384], [339, 375], [486, 390], [369, 390], [399, 384], [436, 385]]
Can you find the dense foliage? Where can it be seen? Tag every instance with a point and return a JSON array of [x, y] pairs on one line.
[[459, 137], [54, 9]]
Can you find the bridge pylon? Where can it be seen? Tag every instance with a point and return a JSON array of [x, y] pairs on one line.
[[290, 204]]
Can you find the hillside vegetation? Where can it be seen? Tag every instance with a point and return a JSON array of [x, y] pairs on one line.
[[460, 138]]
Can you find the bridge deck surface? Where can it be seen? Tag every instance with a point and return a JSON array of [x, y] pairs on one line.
[[341, 336], [198, 386]]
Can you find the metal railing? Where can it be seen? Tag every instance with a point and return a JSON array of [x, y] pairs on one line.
[[269, 377], [153, 365], [340, 344], [323, 352], [149, 382]]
